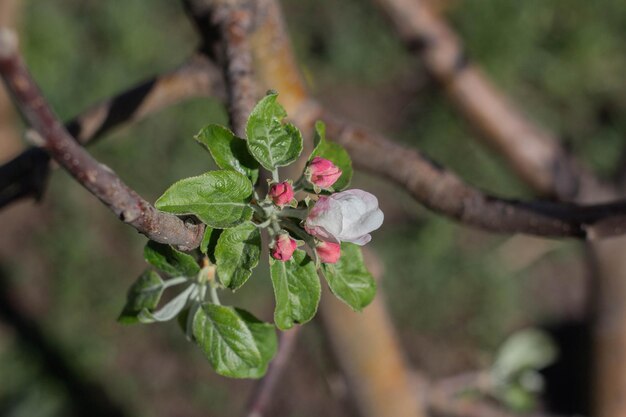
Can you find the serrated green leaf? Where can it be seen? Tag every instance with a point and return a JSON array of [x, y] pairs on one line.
[[349, 279], [271, 142], [237, 253], [169, 260], [229, 151], [145, 293], [236, 344], [335, 153], [218, 198], [296, 288], [169, 310]]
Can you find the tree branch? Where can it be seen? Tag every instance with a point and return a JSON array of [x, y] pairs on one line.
[[227, 24], [26, 175], [95, 177], [531, 150], [429, 183]]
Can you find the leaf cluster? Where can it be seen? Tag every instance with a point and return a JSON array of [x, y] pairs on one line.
[[227, 201]]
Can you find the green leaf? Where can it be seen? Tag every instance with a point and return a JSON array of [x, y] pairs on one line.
[[271, 142], [335, 153], [296, 288], [349, 279], [218, 198], [169, 260], [209, 242], [145, 293], [206, 239], [236, 344], [169, 310], [229, 151], [237, 253]]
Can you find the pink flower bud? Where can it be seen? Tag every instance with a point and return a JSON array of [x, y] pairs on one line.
[[281, 193], [322, 172], [328, 252], [283, 247]]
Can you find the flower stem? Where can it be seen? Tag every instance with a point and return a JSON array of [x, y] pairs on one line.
[[214, 298], [174, 281], [291, 212]]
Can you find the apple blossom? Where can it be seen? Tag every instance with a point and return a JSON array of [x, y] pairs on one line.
[[348, 216], [328, 252], [322, 172], [283, 248], [281, 193]]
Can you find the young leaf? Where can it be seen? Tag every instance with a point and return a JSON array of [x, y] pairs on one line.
[[237, 253], [335, 153], [145, 293], [169, 260], [271, 142], [169, 310], [229, 151], [236, 344], [218, 198], [296, 288], [349, 279]]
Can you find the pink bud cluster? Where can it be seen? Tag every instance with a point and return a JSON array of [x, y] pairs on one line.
[[347, 216]]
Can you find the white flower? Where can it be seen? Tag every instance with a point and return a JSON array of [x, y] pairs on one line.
[[348, 216]]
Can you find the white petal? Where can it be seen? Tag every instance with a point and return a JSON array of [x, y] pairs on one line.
[[360, 240], [346, 216], [361, 215], [327, 223]]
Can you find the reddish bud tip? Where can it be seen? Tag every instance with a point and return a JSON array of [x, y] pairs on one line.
[[284, 246], [328, 252], [322, 172], [281, 193]]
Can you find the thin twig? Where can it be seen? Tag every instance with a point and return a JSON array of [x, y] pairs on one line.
[[262, 395], [95, 177], [26, 175]]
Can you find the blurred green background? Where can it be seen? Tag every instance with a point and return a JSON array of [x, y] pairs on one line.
[[454, 293]]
